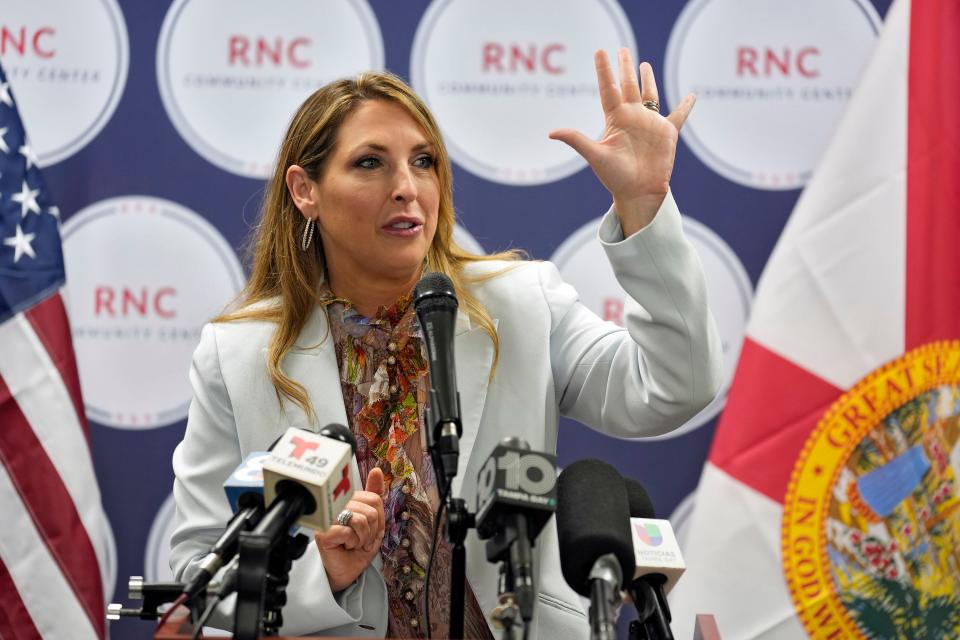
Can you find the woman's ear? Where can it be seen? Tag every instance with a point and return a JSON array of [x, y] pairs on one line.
[[301, 190]]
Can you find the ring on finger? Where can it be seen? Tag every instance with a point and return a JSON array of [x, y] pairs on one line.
[[653, 105], [344, 518]]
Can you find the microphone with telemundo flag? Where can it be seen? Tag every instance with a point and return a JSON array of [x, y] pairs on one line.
[[317, 466], [659, 564], [307, 478]]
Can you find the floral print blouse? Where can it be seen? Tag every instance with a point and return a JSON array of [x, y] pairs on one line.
[[383, 376]]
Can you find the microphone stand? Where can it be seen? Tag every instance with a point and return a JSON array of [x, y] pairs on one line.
[[605, 578], [266, 558], [445, 454], [506, 614], [653, 621], [509, 613]]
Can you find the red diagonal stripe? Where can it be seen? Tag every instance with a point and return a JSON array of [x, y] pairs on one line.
[[771, 411], [933, 173], [46, 498], [15, 620], [49, 321]]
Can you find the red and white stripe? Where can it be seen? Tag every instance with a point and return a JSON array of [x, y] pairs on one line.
[[865, 270], [55, 537]]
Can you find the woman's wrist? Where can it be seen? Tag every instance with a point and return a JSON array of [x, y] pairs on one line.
[[636, 213], [340, 584]]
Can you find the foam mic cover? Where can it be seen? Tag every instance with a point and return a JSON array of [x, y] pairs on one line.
[[593, 519], [640, 504]]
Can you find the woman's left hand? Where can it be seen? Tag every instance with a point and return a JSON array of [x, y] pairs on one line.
[[634, 156]]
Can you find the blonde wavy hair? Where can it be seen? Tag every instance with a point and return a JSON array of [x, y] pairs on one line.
[[285, 281]]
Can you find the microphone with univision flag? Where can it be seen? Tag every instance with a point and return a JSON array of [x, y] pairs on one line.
[[659, 564]]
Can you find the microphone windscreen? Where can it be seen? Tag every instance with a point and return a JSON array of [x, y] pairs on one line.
[[435, 289], [640, 504], [340, 432], [593, 519]]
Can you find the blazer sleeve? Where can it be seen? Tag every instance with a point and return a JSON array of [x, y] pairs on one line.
[[661, 369], [208, 454]]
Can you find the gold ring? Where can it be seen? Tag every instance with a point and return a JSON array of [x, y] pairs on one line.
[[653, 105]]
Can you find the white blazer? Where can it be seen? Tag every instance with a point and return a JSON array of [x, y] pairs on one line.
[[556, 357]]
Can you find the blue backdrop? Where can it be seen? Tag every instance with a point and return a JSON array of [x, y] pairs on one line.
[[139, 151]]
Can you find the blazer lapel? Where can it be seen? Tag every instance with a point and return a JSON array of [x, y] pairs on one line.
[[474, 357], [312, 362]]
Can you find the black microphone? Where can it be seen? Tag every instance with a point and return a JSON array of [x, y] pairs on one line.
[[516, 495], [436, 305], [641, 506], [648, 583], [596, 548], [223, 550], [244, 489]]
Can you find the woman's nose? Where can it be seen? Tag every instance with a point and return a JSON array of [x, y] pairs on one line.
[[405, 188]]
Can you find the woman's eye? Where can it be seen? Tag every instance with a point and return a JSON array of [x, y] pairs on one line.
[[424, 161], [368, 163]]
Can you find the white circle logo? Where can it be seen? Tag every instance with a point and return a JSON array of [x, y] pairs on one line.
[[232, 72], [156, 557], [500, 77], [64, 53], [772, 78], [583, 263], [143, 276]]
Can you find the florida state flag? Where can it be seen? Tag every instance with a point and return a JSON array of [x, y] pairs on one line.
[[828, 507]]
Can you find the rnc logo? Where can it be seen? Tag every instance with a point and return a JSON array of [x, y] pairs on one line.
[[258, 51], [256, 61], [137, 306], [649, 533], [772, 78], [511, 58], [64, 53], [25, 41], [124, 301], [499, 77]]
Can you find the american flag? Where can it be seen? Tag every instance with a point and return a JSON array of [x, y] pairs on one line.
[[55, 535]]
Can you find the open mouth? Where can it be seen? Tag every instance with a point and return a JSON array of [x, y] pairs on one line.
[[403, 228]]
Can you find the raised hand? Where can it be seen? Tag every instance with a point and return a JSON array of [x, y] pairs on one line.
[[347, 550], [634, 156]]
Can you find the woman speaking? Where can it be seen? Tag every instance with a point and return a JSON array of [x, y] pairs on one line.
[[359, 208]]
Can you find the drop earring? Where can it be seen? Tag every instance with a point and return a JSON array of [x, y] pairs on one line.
[[307, 235]]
